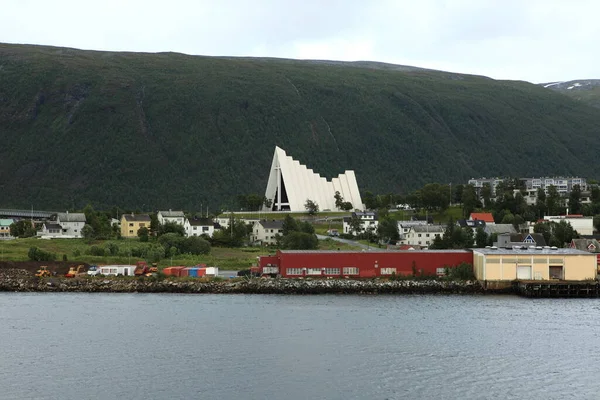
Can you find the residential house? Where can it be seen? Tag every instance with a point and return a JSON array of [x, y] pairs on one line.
[[5, 227], [50, 230], [368, 220], [199, 226], [499, 229], [488, 218], [177, 217], [131, 223], [473, 224], [511, 240], [264, 231], [421, 235], [71, 223], [591, 245]]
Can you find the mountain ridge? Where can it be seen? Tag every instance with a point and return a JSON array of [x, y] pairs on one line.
[[169, 130]]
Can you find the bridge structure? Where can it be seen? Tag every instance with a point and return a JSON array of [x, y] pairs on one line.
[[26, 214]]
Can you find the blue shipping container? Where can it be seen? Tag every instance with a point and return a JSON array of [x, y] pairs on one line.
[[193, 272]]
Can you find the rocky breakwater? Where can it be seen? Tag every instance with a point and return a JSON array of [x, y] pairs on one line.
[[23, 281]]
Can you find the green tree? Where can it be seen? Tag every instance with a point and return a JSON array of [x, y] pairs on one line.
[[486, 195], [370, 201], [22, 229], [88, 233], [300, 241], [347, 206], [355, 225], [575, 200], [387, 229], [563, 232], [481, 238], [540, 203], [545, 229], [196, 245], [171, 227], [469, 200], [553, 201], [339, 200], [289, 225], [311, 207], [143, 234]]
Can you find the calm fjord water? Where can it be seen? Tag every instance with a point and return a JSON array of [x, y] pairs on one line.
[[135, 346]]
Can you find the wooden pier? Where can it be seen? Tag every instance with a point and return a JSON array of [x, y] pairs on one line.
[[553, 289]]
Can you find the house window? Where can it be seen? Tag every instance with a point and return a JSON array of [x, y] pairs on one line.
[[294, 271], [440, 271], [142, 224], [388, 271], [350, 271], [205, 229], [313, 271], [427, 235], [195, 228], [74, 230], [332, 271], [419, 242], [131, 231], [419, 235], [131, 224]]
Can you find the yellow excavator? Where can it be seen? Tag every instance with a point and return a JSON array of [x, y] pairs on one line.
[[76, 271], [43, 272]]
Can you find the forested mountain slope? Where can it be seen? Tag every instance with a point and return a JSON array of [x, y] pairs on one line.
[[173, 131]]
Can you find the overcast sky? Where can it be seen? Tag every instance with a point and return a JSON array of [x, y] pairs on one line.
[[533, 40]]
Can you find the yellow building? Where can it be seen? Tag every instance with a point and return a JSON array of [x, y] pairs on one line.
[[131, 223], [533, 263]]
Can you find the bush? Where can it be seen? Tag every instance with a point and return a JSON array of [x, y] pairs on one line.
[[463, 271], [96, 251], [76, 253], [36, 254], [111, 248]]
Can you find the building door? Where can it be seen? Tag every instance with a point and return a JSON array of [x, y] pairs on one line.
[[125, 271], [524, 272], [556, 272]]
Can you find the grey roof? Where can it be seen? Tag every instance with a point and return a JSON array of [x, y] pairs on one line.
[[519, 237], [500, 228], [137, 217], [272, 224], [172, 214], [50, 225], [71, 217], [428, 228], [532, 250], [582, 244], [201, 222]]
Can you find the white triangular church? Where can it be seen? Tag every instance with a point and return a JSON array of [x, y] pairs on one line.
[[291, 184]]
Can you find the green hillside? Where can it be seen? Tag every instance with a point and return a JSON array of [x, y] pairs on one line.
[[174, 131]]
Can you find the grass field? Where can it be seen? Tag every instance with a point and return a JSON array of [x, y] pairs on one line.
[[223, 257]]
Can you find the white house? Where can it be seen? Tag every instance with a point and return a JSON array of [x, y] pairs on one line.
[[264, 231], [421, 235], [583, 225], [199, 226], [177, 217], [368, 220], [67, 225]]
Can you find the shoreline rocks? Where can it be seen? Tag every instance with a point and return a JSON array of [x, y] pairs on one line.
[[23, 281]]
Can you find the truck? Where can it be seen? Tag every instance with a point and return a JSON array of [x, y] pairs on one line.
[[142, 269]]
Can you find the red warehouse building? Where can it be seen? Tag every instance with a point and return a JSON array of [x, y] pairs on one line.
[[362, 264]]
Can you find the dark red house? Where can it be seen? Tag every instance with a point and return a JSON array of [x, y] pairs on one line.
[[360, 264]]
